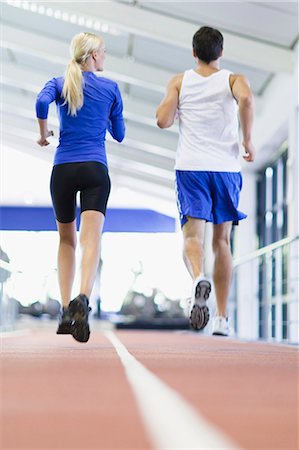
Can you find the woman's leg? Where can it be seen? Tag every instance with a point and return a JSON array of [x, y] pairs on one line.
[[66, 259], [91, 227]]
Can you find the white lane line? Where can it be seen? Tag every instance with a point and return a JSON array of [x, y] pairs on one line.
[[170, 421]]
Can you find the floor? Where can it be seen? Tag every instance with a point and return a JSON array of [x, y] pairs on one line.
[[146, 390]]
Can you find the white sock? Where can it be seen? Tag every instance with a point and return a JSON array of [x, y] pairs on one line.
[[199, 278]]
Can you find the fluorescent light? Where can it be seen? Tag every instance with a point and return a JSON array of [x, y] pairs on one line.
[[15, 3], [65, 17], [89, 23], [41, 9], [105, 28], [269, 172], [97, 25], [57, 14], [82, 21], [269, 218], [114, 31], [73, 18]]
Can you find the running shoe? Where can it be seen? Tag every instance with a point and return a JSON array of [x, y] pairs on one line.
[[79, 311], [65, 325], [220, 326], [199, 312]]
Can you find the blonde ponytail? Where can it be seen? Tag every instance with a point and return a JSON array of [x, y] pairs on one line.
[[82, 46], [72, 90]]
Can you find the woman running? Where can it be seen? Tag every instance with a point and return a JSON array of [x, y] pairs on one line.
[[87, 105]]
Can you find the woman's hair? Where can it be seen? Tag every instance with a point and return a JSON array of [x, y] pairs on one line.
[[207, 44], [82, 46]]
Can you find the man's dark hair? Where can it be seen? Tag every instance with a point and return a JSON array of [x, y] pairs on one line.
[[207, 44]]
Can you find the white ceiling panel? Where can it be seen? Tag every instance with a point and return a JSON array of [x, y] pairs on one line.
[[259, 79], [162, 55], [58, 29], [146, 94], [249, 19], [178, 60], [132, 19], [287, 7]]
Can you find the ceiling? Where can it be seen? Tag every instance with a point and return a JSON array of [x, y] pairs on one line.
[[147, 42]]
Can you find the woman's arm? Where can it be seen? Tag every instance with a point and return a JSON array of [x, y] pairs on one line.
[[44, 99], [44, 132]]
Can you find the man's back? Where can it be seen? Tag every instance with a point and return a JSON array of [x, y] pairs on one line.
[[208, 123], [208, 178]]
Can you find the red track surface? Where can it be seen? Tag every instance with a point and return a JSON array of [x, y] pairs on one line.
[[59, 394]]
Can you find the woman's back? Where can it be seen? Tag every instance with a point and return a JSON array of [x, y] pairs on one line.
[[82, 137]]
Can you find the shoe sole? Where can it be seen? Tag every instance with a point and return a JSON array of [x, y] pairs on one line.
[[216, 333], [200, 315], [81, 331], [65, 329]]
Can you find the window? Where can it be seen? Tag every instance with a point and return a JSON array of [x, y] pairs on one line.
[[272, 202], [272, 226]]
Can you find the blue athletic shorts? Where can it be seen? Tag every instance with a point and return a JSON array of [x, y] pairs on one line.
[[211, 196]]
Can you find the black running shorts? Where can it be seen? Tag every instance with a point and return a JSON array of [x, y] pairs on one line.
[[90, 178]]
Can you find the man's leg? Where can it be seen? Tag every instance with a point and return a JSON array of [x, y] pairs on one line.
[[193, 250], [222, 273], [193, 232]]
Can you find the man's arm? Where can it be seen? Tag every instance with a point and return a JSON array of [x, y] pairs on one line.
[[241, 91], [167, 109]]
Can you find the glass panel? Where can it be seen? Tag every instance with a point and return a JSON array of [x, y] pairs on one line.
[[273, 277], [271, 202], [284, 321], [273, 320], [275, 186], [285, 221], [284, 269], [262, 295]]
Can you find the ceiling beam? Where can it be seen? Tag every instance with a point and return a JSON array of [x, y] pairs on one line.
[[123, 173], [144, 192], [121, 69], [153, 167], [148, 143], [141, 138], [158, 27], [15, 76]]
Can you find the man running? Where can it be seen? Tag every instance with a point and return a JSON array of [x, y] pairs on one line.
[[208, 178]]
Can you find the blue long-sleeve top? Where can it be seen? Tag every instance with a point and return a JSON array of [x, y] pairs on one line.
[[82, 138]]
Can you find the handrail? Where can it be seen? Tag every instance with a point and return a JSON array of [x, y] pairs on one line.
[[7, 266], [264, 250]]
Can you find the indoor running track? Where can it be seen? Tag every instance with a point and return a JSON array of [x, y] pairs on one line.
[[147, 390]]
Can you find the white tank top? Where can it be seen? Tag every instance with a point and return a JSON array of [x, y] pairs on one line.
[[208, 124]]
